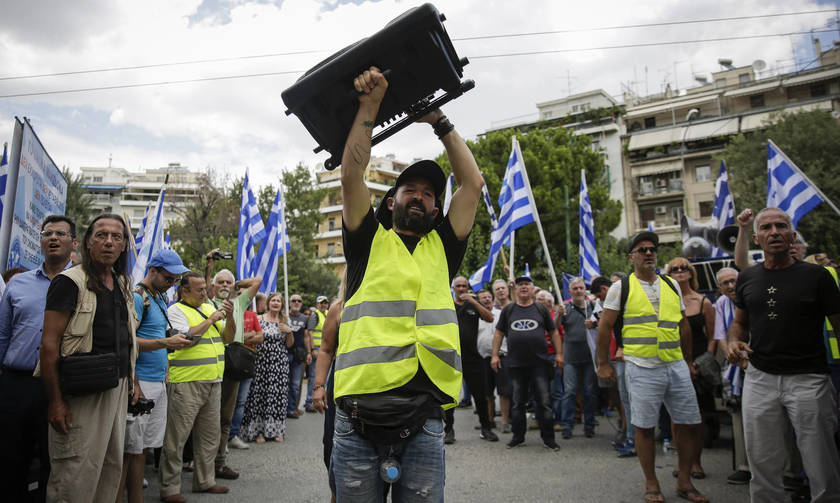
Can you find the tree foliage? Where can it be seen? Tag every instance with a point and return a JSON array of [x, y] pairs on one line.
[[554, 158], [810, 140], [79, 205]]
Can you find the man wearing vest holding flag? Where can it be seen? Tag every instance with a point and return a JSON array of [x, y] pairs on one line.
[[195, 387], [398, 362], [659, 366]]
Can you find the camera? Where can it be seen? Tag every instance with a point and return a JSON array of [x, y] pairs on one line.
[[220, 255], [143, 406], [172, 332]]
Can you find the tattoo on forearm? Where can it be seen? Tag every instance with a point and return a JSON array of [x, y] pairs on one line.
[[368, 124], [359, 152]]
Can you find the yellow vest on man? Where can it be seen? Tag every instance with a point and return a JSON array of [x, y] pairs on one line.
[[318, 330], [206, 360], [646, 334], [832, 335], [401, 316]]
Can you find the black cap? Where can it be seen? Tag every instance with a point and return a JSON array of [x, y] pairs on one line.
[[521, 279], [428, 170], [643, 236]]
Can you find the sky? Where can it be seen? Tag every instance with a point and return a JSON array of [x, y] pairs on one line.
[[233, 124]]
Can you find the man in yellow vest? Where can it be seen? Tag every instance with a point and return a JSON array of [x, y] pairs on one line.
[[314, 328], [194, 390], [659, 367], [398, 361]]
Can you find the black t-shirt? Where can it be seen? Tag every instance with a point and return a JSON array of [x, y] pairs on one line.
[[357, 251], [525, 329], [468, 331], [63, 294], [786, 309], [297, 323]]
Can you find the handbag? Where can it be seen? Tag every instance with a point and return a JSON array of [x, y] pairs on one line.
[[86, 373], [240, 360]]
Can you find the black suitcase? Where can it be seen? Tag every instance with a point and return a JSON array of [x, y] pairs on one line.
[[418, 59]]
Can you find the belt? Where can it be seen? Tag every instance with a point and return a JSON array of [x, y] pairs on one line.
[[11, 370]]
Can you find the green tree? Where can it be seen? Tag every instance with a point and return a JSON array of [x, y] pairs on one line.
[[79, 204], [809, 139], [554, 158]]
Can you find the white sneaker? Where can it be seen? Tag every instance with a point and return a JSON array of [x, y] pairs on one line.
[[237, 443]]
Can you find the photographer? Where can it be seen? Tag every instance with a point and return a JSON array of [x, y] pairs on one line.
[[195, 385], [87, 364], [145, 431]]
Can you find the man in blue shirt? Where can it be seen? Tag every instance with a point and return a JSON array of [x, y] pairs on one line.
[[150, 303], [23, 401]]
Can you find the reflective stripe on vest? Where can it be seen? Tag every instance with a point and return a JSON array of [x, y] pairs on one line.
[[646, 334], [831, 335], [401, 316], [316, 333], [206, 360]]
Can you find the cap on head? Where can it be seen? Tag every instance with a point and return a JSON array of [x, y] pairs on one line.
[[321, 298], [426, 169], [523, 279], [643, 236], [168, 260]]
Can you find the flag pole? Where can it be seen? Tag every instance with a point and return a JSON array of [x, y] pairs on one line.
[[796, 168], [536, 217], [285, 252]]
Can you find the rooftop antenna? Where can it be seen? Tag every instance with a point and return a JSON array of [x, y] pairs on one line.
[[759, 65]]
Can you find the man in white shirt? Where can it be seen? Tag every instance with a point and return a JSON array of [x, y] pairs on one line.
[[498, 381]]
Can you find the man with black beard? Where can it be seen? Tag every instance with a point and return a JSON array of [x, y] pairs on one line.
[[398, 361]]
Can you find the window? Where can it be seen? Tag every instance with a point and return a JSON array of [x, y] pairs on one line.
[[660, 183], [756, 101], [332, 224], [702, 173], [650, 122], [97, 178], [721, 82], [819, 89], [330, 249], [547, 115], [575, 108], [706, 208], [743, 78]]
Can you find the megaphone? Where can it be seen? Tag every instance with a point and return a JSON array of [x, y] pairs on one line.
[[698, 239], [726, 238]]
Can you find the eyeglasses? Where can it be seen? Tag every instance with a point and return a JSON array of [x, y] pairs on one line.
[[680, 268], [58, 234], [169, 279], [295, 300], [644, 249], [103, 236]]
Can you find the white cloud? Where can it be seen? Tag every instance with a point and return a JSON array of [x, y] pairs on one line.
[[230, 124]]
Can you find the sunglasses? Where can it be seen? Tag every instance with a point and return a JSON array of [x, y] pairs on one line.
[[644, 249], [295, 300], [680, 268]]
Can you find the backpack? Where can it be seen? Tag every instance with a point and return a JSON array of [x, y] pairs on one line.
[[625, 291]]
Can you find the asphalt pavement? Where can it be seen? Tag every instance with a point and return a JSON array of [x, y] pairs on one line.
[[583, 470]]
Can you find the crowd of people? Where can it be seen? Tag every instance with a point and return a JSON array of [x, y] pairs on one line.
[[100, 377]]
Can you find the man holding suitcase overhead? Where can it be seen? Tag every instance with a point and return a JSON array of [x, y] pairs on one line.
[[398, 362]]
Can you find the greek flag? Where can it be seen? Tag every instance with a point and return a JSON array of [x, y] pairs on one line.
[[138, 239], [488, 203], [167, 245], [4, 172], [516, 211], [724, 209], [589, 267], [251, 232], [447, 194], [152, 240], [274, 246], [787, 188]]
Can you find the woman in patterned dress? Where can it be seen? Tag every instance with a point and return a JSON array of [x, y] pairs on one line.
[[265, 410]]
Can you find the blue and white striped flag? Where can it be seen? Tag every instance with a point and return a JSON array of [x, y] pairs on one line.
[[275, 245], [251, 232], [488, 203], [4, 172], [447, 194], [787, 188], [152, 240], [589, 267], [167, 245], [138, 239], [724, 210], [516, 211]]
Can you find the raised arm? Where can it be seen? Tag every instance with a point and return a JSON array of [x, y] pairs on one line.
[[742, 243], [465, 200], [354, 193]]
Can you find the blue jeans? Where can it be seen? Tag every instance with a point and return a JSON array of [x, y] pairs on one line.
[[355, 465], [583, 373], [239, 411], [521, 378], [310, 381], [625, 399], [295, 376], [557, 395]]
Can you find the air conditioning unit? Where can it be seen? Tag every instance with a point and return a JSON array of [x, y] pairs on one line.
[[661, 210], [661, 182]]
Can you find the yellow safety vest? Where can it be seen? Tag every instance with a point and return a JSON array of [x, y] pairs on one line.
[[316, 332], [401, 316], [646, 334], [206, 360], [832, 336]]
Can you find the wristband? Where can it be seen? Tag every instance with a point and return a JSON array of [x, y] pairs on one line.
[[317, 386], [442, 127]]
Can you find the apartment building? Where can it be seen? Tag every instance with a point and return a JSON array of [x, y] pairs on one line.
[[380, 175], [672, 138], [126, 193]]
